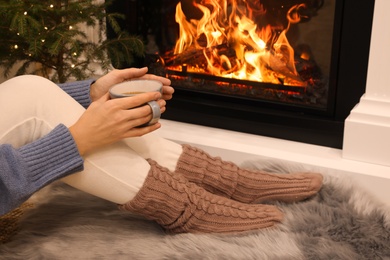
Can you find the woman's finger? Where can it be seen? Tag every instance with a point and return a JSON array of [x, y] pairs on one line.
[[164, 81], [140, 131], [144, 111], [137, 100]]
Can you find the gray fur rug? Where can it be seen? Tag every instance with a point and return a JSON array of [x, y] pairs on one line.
[[341, 222]]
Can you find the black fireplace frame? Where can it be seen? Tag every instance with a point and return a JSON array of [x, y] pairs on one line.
[[351, 52]]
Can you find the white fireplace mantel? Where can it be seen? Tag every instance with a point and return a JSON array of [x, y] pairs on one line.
[[367, 129]]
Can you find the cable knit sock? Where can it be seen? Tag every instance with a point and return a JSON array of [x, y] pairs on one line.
[[228, 180], [180, 206]]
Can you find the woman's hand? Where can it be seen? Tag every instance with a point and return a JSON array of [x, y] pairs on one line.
[[103, 84], [109, 120]]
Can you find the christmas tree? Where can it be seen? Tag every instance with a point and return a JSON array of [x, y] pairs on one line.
[[49, 38]]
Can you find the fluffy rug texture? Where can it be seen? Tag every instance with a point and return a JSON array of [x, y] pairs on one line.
[[341, 222]]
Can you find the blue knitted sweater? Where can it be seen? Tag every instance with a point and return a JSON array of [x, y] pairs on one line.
[[29, 168]]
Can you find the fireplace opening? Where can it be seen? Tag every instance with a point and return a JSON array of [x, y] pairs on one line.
[[243, 49], [280, 68]]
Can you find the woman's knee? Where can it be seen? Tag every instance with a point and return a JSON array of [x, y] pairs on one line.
[[33, 96], [30, 91], [28, 84]]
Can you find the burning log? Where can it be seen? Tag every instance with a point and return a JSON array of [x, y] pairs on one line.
[[196, 57], [283, 72], [195, 61]]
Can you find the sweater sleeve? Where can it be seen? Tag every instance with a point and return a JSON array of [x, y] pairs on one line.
[[79, 90], [25, 170]]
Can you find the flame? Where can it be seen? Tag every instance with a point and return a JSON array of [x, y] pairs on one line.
[[259, 54]]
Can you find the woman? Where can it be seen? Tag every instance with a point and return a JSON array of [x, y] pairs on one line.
[[76, 133]]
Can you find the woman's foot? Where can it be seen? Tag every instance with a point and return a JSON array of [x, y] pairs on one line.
[[248, 186], [180, 206]]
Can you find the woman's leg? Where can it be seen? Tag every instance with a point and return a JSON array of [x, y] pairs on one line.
[[32, 106], [117, 173]]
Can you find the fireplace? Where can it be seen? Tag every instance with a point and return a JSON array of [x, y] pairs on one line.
[[290, 69]]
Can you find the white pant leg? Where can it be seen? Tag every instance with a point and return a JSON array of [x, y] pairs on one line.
[[165, 152], [31, 106]]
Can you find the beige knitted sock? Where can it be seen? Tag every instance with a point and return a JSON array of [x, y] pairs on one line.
[[180, 206], [227, 179]]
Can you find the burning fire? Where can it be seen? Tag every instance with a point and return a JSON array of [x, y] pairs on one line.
[[235, 46]]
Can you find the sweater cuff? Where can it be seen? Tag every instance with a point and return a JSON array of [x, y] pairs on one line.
[[52, 157], [79, 90]]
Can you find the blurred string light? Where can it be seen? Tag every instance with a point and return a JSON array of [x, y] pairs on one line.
[[43, 40]]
